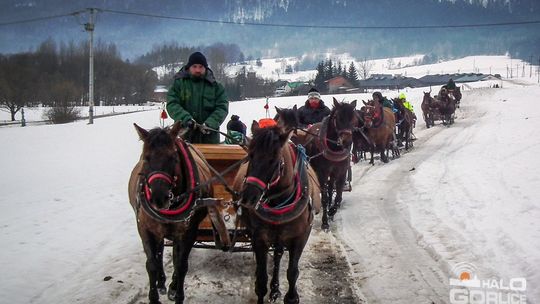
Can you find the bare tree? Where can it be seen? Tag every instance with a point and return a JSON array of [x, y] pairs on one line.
[[16, 74], [218, 62], [364, 68]]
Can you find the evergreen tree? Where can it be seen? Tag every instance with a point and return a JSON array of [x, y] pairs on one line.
[[320, 76], [353, 75]]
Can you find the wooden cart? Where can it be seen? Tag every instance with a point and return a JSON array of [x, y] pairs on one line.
[[221, 157]]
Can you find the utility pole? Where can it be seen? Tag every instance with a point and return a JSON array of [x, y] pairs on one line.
[[23, 120], [530, 66], [89, 27]]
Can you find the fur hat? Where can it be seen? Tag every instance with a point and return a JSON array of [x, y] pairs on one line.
[[197, 58]]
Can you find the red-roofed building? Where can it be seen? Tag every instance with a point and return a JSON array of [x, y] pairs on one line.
[[338, 84]]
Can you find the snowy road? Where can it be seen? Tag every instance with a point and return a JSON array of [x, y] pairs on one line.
[[447, 201], [472, 197]]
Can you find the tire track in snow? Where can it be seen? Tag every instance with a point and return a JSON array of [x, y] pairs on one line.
[[391, 262]]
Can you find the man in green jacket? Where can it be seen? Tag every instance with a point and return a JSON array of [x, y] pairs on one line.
[[198, 100]]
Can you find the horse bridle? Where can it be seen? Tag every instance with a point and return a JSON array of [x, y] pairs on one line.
[[371, 114], [257, 182], [163, 176], [340, 132]]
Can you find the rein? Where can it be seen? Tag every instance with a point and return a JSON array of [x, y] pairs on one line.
[[291, 205], [184, 203], [380, 118], [326, 151]]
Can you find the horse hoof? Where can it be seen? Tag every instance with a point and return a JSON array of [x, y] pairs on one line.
[[294, 300], [162, 290], [274, 296], [171, 294], [325, 227], [332, 211]]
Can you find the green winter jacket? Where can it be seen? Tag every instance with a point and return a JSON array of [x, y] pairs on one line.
[[387, 103], [203, 100]]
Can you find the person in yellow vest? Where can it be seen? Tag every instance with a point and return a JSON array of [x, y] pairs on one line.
[[406, 104]]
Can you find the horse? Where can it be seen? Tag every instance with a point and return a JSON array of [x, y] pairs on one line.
[[457, 95], [406, 125], [329, 146], [160, 192], [447, 107], [277, 204], [287, 119], [430, 108], [380, 123]]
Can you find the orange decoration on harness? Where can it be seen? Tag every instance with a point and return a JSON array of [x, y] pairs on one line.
[[267, 123]]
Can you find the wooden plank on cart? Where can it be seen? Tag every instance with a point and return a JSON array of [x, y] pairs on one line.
[[220, 157]]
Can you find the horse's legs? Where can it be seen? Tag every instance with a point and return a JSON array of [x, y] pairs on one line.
[[184, 248], [261, 281], [324, 201], [322, 175], [372, 161], [407, 137], [295, 251], [161, 276], [151, 248], [171, 293], [384, 157], [274, 284], [333, 184], [339, 189]]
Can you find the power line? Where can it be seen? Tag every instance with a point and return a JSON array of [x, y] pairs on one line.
[[277, 24], [320, 26], [41, 18]]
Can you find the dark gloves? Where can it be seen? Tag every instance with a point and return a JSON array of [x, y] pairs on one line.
[[204, 129], [190, 124]]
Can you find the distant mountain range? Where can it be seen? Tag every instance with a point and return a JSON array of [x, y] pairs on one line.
[[135, 35]]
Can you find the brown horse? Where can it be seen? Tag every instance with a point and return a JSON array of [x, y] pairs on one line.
[[406, 125], [380, 123], [287, 120], [277, 204], [164, 205], [330, 150], [457, 95], [447, 107], [430, 109]]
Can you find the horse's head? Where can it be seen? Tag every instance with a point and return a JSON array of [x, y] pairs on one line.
[[266, 162], [287, 119], [344, 120], [427, 97], [161, 164], [371, 111], [399, 103]]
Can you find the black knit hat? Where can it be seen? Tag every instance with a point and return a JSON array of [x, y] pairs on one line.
[[313, 90], [235, 125], [197, 58]]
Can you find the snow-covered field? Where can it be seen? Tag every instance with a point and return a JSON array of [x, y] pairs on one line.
[[274, 68], [467, 193], [37, 113]]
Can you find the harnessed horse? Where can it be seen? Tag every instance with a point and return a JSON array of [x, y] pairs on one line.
[[277, 203], [165, 207]]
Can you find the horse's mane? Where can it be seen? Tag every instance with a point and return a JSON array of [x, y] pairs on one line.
[[158, 138], [266, 141]]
